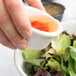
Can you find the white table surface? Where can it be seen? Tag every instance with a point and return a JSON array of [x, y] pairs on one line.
[[7, 67]]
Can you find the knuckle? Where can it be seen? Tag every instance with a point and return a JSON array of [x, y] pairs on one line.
[[3, 18], [13, 5], [14, 39]]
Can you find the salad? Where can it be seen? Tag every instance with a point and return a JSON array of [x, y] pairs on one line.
[[57, 59]]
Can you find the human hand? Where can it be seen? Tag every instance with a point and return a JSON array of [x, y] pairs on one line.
[[15, 28]]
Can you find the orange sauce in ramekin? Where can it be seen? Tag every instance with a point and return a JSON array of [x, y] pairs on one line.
[[44, 23]]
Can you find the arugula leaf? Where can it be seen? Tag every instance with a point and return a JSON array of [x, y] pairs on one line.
[[60, 43]]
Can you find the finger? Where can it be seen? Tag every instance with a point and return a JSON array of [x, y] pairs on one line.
[[35, 3], [17, 11], [8, 28], [5, 41]]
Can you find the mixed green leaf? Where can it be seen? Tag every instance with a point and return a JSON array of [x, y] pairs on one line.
[[59, 60]]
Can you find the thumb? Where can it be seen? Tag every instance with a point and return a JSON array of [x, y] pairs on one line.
[[35, 3]]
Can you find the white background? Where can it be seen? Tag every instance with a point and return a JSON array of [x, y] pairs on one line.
[[7, 67]]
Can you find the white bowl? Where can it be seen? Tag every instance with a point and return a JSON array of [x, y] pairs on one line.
[[70, 27], [40, 39]]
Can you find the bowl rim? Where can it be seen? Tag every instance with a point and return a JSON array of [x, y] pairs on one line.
[[21, 72]]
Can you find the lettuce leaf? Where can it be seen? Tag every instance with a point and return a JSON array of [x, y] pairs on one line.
[[31, 54], [53, 64], [31, 57], [36, 62], [73, 53], [60, 43], [70, 58], [71, 67], [74, 43]]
